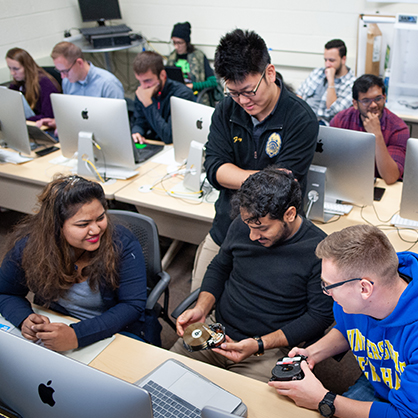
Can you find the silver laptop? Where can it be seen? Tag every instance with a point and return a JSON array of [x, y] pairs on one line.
[[210, 412], [409, 200], [13, 128], [190, 121], [192, 389], [37, 382]]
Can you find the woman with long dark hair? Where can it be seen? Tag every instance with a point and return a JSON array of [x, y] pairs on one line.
[[75, 261], [34, 83]]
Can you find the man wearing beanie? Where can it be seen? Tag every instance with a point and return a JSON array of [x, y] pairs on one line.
[[197, 72]]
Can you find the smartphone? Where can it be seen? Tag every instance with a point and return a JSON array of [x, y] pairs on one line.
[[378, 193], [46, 151]]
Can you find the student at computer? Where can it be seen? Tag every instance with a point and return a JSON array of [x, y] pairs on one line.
[[81, 77], [33, 82], [75, 261], [375, 307], [369, 114], [152, 113], [197, 72], [328, 89]]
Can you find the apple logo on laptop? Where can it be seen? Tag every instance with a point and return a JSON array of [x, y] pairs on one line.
[[46, 393], [199, 124], [319, 146], [85, 114]]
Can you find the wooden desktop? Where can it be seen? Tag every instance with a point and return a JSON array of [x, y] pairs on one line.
[[129, 359]]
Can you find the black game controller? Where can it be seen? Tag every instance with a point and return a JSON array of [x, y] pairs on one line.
[[288, 368]]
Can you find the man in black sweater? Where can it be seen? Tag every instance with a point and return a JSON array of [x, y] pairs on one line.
[[265, 280], [152, 113], [258, 124]]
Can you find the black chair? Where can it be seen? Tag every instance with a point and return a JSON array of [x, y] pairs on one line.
[[185, 304], [54, 73], [145, 230]]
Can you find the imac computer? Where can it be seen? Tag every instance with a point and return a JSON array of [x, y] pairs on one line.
[[98, 130], [14, 132], [409, 199], [344, 163], [99, 10], [190, 121]]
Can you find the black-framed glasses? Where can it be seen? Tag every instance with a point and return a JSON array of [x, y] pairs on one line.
[[368, 102], [245, 93], [327, 288], [65, 72]]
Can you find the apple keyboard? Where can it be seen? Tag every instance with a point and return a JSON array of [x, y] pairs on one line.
[[403, 222], [337, 208], [7, 156]]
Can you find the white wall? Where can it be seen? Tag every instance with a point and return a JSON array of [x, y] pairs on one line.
[[294, 30]]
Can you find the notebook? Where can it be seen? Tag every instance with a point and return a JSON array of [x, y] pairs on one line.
[[37, 382], [84, 354]]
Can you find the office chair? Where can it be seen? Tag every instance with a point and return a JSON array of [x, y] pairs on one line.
[[54, 73], [185, 304], [145, 230]]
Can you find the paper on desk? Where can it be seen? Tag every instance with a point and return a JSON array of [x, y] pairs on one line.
[[166, 157], [61, 160], [84, 355]]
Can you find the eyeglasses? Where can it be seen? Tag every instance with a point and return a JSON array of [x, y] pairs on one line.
[[179, 42], [245, 93], [368, 102], [65, 72], [326, 289]]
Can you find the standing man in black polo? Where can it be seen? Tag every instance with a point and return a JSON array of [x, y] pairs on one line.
[[258, 124]]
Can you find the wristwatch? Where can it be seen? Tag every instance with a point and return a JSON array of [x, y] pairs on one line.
[[326, 406], [260, 351]]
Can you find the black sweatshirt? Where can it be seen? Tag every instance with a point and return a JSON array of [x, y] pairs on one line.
[[259, 290]]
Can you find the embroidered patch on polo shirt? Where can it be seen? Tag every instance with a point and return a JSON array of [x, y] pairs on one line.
[[273, 145]]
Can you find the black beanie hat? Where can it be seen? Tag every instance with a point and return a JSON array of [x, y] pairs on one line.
[[182, 31]]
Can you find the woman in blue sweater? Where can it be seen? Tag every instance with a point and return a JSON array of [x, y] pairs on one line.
[[76, 262]]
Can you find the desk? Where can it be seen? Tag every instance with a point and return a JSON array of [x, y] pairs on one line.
[[379, 216], [130, 359], [21, 183], [179, 219]]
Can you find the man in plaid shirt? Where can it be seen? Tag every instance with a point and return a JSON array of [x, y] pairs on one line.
[[328, 89], [369, 114]]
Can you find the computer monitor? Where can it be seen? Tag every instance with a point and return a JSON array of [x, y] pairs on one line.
[[349, 158], [409, 199], [37, 382], [105, 120], [190, 121], [13, 130], [99, 10]]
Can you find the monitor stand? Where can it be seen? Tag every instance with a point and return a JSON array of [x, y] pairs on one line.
[[85, 155], [191, 186], [315, 194]]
